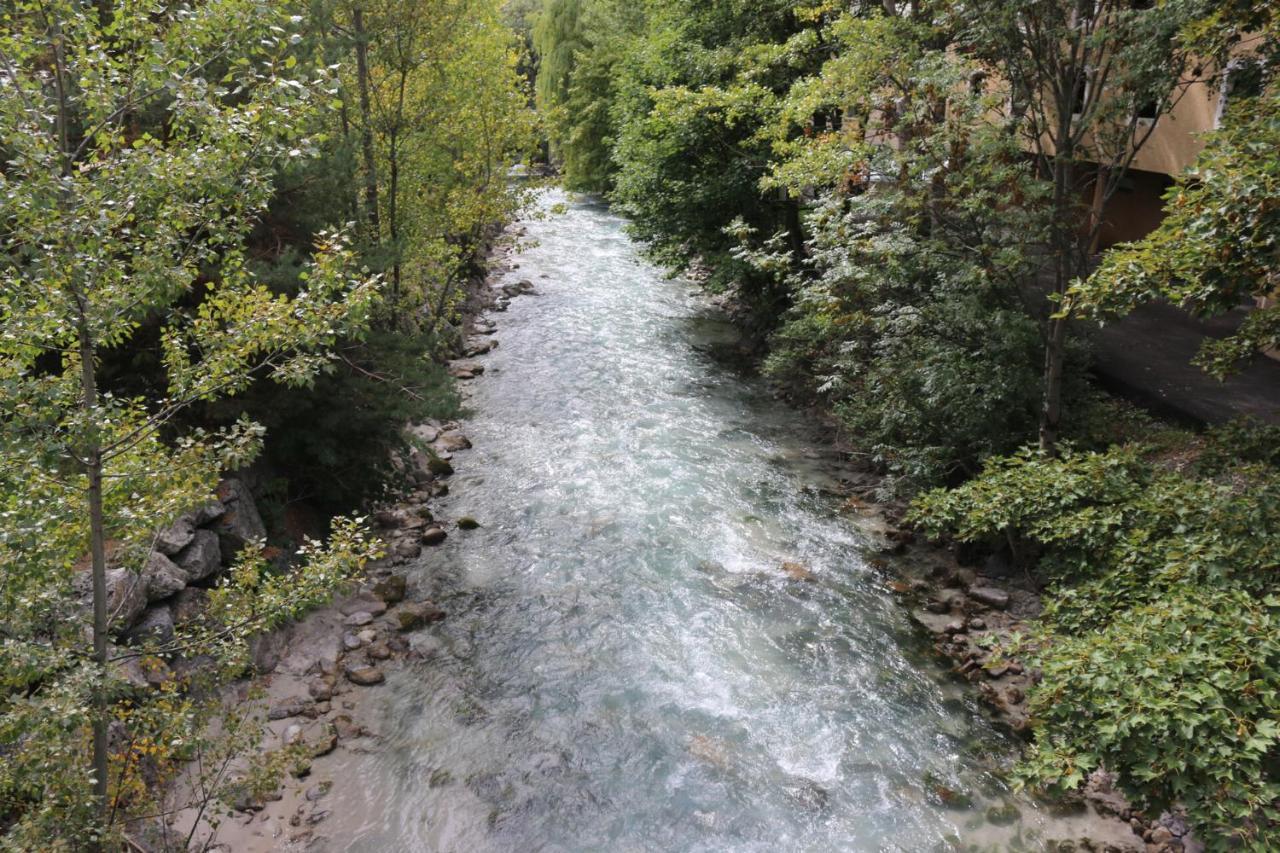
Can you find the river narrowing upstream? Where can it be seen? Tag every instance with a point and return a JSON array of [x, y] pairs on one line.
[[625, 667]]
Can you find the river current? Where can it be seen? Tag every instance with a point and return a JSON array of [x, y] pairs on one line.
[[625, 665]]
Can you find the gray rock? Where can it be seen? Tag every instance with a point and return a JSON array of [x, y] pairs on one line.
[[358, 619], [390, 589], [241, 523], [351, 642], [202, 557], [315, 792], [433, 536], [406, 548], [293, 706], [415, 615], [155, 626], [173, 539], [189, 605], [161, 577], [126, 596], [452, 441], [211, 511], [990, 596], [365, 676]]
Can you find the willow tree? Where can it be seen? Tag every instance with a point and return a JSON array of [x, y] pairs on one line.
[[139, 141]]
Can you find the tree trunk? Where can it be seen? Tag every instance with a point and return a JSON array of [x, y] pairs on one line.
[[92, 458], [393, 215], [366, 117], [1056, 340]]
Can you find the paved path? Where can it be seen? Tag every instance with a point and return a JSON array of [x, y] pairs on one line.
[[1147, 358]]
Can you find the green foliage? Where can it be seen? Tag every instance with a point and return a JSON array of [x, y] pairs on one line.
[[140, 145], [335, 439], [1158, 647]]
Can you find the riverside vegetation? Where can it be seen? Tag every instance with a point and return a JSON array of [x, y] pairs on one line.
[[897, 286], [219, 221], [237, 235]]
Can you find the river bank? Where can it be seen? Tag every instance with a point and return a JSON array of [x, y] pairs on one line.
[[641, 607]]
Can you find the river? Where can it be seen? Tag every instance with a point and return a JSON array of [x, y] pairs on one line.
[[625, 665]]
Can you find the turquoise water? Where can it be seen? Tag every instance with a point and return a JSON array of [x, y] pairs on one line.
[[625, 666]]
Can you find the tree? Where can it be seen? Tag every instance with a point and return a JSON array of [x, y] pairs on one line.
[[908, 317], [139, 146], [1087, 82]]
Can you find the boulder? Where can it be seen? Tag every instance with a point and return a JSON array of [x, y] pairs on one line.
[[189, 604], [990, 596], [390, 589], [201, 558], [358, 619], [161, 577], [155, 626], [365, 676], [173, 539], [439, 467], [406, 548], [241, 523], [433, 536], [416, 614], [466, 522], [452, 441], [293, 706], [126, 597]]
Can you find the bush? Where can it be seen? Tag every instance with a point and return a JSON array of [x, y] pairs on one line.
[[1159, 649]]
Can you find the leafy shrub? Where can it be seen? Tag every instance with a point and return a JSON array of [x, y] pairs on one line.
[[1159, 649]]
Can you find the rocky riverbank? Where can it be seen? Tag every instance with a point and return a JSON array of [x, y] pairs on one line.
[[976, 616], [315, 690]]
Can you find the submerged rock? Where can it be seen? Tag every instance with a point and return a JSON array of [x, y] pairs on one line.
[[798, 571], [415, 615], [807, 794]]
